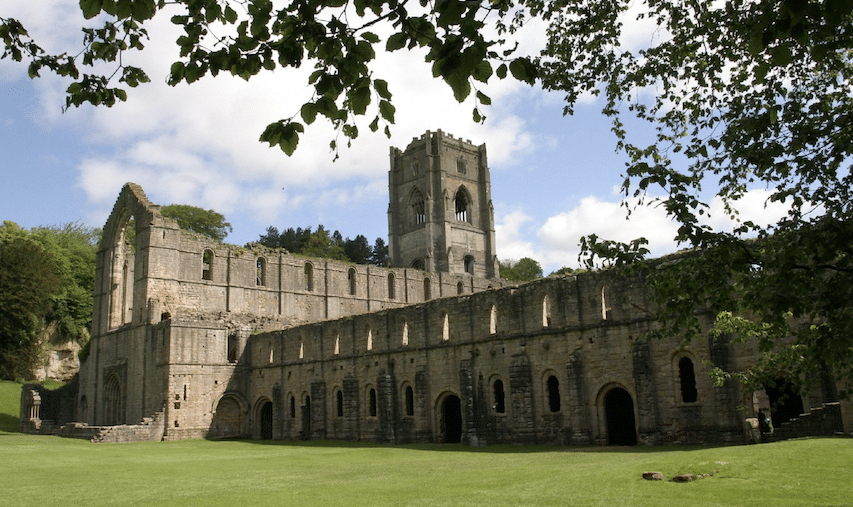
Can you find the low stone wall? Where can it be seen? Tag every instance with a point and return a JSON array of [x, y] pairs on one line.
[[822, 421]]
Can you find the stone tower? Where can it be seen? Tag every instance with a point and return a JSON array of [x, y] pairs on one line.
[[440, 215]]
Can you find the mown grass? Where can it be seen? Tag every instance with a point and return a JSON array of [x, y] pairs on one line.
[[47, 471]]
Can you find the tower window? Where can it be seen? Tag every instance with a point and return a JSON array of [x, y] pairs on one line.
[[461, 201], [469, 264], [460, 166], [416, 168], [418, 208]]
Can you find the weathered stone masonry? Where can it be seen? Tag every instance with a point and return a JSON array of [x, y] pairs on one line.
[[196, 339]]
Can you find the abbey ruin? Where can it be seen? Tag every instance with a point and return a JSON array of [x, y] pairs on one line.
[[194, 339]]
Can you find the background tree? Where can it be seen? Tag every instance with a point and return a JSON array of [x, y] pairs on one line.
[[379, 256], [46, 276], [738, 95], [358, 250], [205, 222], [522, 270]]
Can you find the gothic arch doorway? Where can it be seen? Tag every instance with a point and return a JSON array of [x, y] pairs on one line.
[[619, 411], [228, 418], [450, 420], [265, 420]]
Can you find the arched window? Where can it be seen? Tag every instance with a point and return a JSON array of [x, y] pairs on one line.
[[460, 288], [371, 395], [233, 344], [418, 208], [339, 403], [261, 271], [392, 289], [469, 264], [405, 333], [461, 166], [605, 307], [493, 320], [309, 277], [415, 167], [410, 400], [292, 406], [207, 265], [418, 264], [427, 290], [351, 280], [461, 201], [553, 394], [337, 344], [499, 404], [687, 376], [369, 339], [445, 328], [546, 312]]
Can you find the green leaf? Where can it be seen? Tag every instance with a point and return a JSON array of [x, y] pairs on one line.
[[396, 41], [370, 37], [381, 87], [387, 110], [309, 112], [91, 8], [483, 98], [523, 70], [501, 71]]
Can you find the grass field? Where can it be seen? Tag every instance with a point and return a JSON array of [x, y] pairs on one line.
[[48, 471]]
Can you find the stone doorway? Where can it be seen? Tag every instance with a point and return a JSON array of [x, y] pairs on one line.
[[306, 419], [266, 420], [450, 425], [785, 402], [619, 410]]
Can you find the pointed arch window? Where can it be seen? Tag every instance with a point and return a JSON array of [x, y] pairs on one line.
[[405, 340], [261, 272], [546, 312], [309, 277], [371, 395], [445, 328], [351, 280], [419, 264], [418, 208], [462, 206], [553, 394], [499, 404], [410, 400], [687, 376]]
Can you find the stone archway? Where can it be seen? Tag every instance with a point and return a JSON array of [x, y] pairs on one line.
[[450, 420], [619, 412], [227, 419], [265, 420], [785, 402]]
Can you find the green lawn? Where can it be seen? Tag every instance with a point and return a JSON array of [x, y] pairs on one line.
[[47, 471]]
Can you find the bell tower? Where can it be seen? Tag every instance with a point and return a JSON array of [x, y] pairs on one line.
[[440, 215]]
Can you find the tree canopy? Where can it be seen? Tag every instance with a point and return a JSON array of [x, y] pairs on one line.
[[522, 270], [320, 243], [201, 221], [46, 275]]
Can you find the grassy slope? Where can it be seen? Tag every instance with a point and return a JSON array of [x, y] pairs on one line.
[[59, 471], [10, 405]]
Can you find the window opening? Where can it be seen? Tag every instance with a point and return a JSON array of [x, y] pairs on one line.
[[499, 405], [410, 401], [427, 291], [392, 293], [232, 348], [351, 279], [459, 288], [416, 168], [292, 406], [493, 320], [261, 272], [688, 380], [405, 332], [469, 264], [553, 394], [372, 397], [309, 277], [445, 332], [546, 312], [207, 265], [418, 264], [461, 201], [418, 208], [337, 344], [605, 309], [369, 339], [460, 166], [339, 403]]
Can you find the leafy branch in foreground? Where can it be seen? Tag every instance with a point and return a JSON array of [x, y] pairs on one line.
[[340, 38]]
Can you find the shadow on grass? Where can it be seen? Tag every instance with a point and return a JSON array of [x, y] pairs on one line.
[[493, 449], [9, 423]]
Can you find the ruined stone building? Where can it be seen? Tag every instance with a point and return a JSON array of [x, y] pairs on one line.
[[193, 339]]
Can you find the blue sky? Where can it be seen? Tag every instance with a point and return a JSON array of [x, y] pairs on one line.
[[554, 178]]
